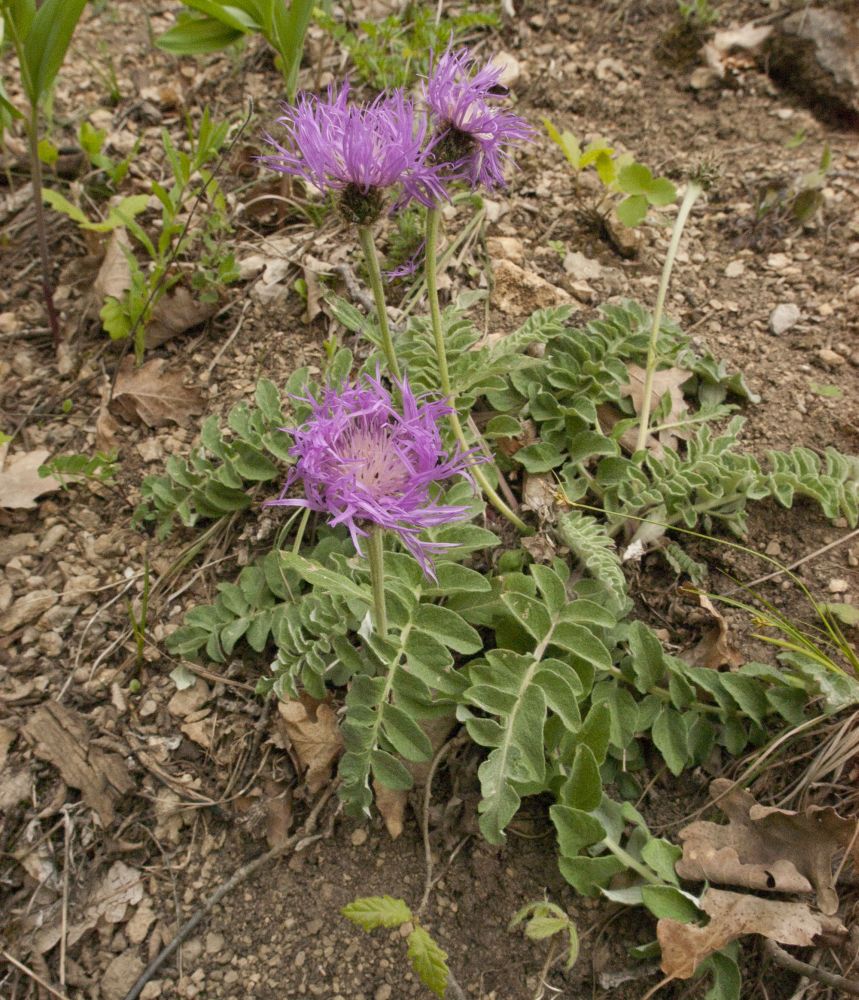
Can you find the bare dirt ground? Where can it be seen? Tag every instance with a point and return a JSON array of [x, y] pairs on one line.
[[187, 777]]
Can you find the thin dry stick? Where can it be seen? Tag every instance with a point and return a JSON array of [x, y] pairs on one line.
[[229, 339], [662, 982], [786, 961], [36, 979], [226, 888], [793, 566], [441, 753]]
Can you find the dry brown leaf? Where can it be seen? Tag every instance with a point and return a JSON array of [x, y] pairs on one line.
[[391, 803], [114, 276], [713, 649], [61, 736], [666, 380], [108, 901], [685, 946], [175, 313], [278, 818], [315, 736], [153, 396], [20, 482], [765, 848]]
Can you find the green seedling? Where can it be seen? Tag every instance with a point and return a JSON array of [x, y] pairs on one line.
[[69, 469], [425, 956], [629, 188], [544, 920], [40, 36]]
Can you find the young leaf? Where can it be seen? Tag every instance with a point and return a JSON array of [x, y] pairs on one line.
[[47, 41], [428, 961], [371, 912]]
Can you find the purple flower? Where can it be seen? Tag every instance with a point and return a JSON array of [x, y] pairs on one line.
[[366, 463], [360, 151], [473, 135]]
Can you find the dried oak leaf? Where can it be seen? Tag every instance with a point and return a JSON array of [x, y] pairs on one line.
[[713, 649], [312, 729], [175, 313], [153, 396], [765, 848], [685, 946], [20, 482], [666, 380]]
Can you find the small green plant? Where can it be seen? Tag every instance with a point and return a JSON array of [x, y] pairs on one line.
[[697, 13], [796, 202], [393, 52], [40, 35], [68, 469], [425, 956], [211, 26], [629, 188], [544, 920]]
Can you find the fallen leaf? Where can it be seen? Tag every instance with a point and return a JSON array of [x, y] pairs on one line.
[[540, 494], [732, 914], [106, 429], [153, 396], [114, 276], [107, 901], [278, 820], [666, 380], [311, 727], [764, 848], [713, 649], [61, 735], [175, 313], [391, 803], [20, 482]]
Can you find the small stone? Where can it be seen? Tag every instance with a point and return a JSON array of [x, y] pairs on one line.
[[830, 357], [52, 536], [214, 942], [27, 609], [5, 594], [50, 644], [783, 317], [773, 548], [189, 700], [152, 990], [506, 248], [120, 975], [192, 950], [734, 269], [383, 992], [509, 66], [519, 292], [838, 586], [582, 268], [358, 837], [149, 707], [778, 261], [15, 545]]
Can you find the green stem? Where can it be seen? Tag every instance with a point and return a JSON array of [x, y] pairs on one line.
[[433, 222], [693, 191], [374, 272], [629, 862], [376, 555]]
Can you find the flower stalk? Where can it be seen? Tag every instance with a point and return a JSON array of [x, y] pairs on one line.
[[374, 272], [693, 192], [433, 226], [376, 558]]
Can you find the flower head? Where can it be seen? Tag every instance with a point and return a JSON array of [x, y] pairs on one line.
[[473, 134], [360, 151], [366, 463]]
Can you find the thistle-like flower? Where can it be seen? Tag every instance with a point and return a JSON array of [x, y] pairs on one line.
[[359, 151], [472, 134], [366, 463]]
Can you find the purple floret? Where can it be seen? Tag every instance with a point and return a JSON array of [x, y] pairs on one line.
[[366, 463], [472, 133], [361, 151]]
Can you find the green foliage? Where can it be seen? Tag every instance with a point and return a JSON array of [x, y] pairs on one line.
[[544, 920], [594, 548], [619, 174], [66, 469], [41, 36], [212, 26], [215, 478], [796, 201], [393, 52], [427, 959], [697, 13]]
